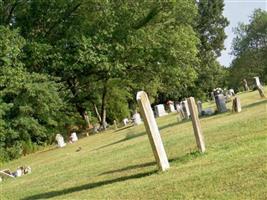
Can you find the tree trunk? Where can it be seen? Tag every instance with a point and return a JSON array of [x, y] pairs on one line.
[[97, 114], [103, 106]]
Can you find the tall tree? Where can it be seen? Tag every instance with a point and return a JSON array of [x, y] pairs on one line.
[[210, 27]]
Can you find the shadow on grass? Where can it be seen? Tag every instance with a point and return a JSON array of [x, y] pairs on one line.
[[132, 135], [88, 186], [255, 104], [182, 159]]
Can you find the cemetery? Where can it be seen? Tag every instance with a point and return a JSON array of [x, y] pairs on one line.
[[111, 164], [133, 100]]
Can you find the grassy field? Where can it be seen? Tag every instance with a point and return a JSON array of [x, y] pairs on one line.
[[120, 164]]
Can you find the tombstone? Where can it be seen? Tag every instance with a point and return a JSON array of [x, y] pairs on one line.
[[199, 108], [259, 86], [60, 140], [220, 103], [245, 85], [196, 124], [125, 121], [236, 105], [160, 110], [185, 109], [231, 92], [73, 137], [207, 112], [137, 119], [180, 111], [212, 96], [152, 131], [171, 107]]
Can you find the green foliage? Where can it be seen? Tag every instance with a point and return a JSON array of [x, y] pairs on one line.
[[250, 49]]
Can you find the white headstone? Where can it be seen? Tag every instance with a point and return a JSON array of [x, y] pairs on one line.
[[257, 79], [137, 119], [74, 137], [160, 110], [171, 107], [60, 140], [152, 131], [125, 121]]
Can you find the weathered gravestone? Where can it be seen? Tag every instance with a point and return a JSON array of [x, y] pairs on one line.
[[220, 103], [185, 109], [245, 85], [137, 119], [196, 124], [180, 111], [73, 137], [259, 86], [152, 131], [160, 110], [171, 107], [236, 105], [199, 107], [60, 140]]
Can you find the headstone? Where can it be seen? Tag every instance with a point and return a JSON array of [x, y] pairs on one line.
[[171, 107], [236, 105], [180, 111], [74, 137], [152, 131], [212, 96], [231, 92], [199, 107], [60, 140], [125, 121], [137, 119], [160, 110], [259, 86], [185, 109], [220, 103], [245, 84], [196, 124]]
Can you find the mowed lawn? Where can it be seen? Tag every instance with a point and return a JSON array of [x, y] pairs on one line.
[[120, 164]]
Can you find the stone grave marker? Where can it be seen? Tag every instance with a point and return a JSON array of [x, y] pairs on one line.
[[137, 119], [259, 86], [60, 140], [185, 109], [220, 103], [196, 124], [199, 108], [160, 110], [245, 85], [152, 131], [236, 105]]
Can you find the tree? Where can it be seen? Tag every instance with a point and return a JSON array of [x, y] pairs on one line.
[[249, 49], [210, 28]]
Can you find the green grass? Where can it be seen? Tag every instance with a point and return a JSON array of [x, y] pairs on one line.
[[120, 164]]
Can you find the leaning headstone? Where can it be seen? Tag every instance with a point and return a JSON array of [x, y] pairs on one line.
[[152, 131], [185, 109], [259, 86], [220, 103], [196, 124], [115, 124], [171, 107], [245, 84], [180, 111], [236, 105], [231, 92], [60, 140], [160, 110], [137, 119]]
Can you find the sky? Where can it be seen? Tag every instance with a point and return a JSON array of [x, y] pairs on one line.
[[237, 11]]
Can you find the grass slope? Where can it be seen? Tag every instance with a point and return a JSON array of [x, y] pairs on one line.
[[120, 164]]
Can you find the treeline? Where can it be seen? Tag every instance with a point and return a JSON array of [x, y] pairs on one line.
[[250, 51], [62, 61]]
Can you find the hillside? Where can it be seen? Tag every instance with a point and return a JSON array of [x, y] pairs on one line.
[[120, 164]]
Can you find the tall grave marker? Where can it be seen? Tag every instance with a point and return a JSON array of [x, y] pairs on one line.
[[196, 124], [259, 86], [152, 131]]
